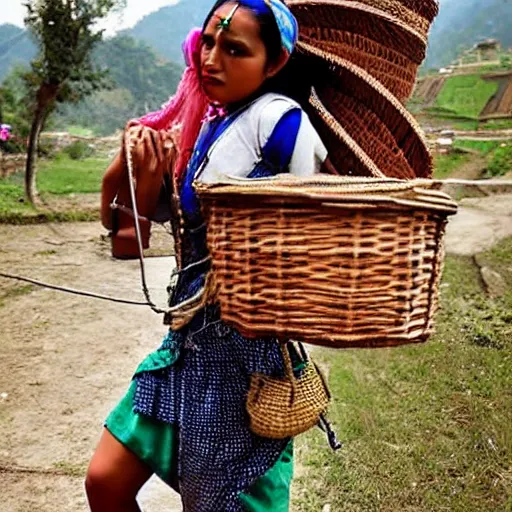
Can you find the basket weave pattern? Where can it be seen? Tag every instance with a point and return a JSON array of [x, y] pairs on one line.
[[351, 271], [372, 135], [362, 19], [388, 142], [375, 46], [394, 71], [401, 11]]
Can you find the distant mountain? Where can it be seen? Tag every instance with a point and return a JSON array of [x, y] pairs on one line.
[[15, 48], [462, 23], [166, 29]]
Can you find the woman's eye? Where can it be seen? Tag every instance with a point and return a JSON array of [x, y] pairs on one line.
[[208, 42], [235, 51]]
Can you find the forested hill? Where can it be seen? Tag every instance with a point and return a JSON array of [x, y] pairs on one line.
[[15, 48], [142, 81], [166, 29], [142, 60], [460, 24]]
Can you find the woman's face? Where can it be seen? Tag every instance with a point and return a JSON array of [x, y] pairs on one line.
[[233, 61]]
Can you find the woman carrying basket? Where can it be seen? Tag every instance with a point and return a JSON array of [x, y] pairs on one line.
[[184, 416]]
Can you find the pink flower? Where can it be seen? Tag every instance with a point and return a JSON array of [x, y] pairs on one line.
[[5, 132]]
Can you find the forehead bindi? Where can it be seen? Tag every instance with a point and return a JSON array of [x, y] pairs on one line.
[[243, 27]]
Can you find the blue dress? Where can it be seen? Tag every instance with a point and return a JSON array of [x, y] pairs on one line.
[[198, 380]]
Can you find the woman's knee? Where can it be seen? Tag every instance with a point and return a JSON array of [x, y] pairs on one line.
[[100, 480], [114, 473]]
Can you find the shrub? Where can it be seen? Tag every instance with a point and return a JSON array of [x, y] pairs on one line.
[[79, 150]]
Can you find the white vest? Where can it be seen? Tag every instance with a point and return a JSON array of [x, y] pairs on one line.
[[237, 151]]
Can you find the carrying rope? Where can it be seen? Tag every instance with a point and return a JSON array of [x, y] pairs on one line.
[[131, 180], [72, 290]]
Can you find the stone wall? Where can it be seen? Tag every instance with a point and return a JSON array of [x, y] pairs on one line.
[[102, 145], [10, 164]]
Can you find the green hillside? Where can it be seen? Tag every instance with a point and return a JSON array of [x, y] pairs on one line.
[[142, 81], [465, 95], [166, 29]]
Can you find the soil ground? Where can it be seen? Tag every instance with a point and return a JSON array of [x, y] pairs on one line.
[[66, 360]]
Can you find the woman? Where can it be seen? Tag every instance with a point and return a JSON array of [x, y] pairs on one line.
[[184, 416]]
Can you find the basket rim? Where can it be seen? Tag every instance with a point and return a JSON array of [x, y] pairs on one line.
[[363, 76], [417, 40], [335, 191]]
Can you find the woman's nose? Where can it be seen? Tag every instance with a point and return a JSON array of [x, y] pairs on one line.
[[212, 61]]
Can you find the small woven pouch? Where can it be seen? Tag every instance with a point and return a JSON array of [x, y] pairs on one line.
[[281, 407]]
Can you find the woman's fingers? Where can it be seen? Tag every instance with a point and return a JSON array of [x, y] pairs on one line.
[[151, 149]]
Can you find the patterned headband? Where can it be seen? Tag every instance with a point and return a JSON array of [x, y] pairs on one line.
[[285, 20]]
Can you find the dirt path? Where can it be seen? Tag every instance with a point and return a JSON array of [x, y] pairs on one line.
[[66, 360], [479, 224]]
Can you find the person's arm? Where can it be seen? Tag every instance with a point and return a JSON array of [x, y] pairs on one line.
[[109, 187]]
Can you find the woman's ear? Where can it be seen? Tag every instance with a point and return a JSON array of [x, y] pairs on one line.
[[279, 64]]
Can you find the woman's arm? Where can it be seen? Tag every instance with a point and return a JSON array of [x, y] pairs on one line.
[[110, 185], [153, 155]]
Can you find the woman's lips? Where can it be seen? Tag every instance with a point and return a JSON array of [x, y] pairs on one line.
[[211, 80]]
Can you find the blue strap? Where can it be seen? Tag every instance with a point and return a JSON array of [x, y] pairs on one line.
[[210, 134], [280, 146]]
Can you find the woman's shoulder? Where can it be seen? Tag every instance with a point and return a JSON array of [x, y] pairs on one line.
[[270, 107], [266, 112]]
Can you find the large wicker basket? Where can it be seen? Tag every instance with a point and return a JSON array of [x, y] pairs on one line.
[[332, 261]]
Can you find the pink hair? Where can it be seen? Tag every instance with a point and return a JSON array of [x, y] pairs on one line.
[[187, 107]]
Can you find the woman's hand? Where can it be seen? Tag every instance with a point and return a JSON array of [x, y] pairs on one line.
[[153, 155], [152, 151]]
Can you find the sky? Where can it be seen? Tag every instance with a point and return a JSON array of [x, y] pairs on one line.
[[12, 11]]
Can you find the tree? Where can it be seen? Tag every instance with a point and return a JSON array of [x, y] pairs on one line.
[[66, 33]]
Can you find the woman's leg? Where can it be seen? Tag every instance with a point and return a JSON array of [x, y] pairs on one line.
[[114, 477]]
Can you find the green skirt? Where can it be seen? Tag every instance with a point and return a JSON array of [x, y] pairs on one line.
[[156, 444]]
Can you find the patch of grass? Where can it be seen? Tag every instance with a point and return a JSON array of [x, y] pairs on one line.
[[465, 125], [16, 291], [484, 146], [465, 95], [426, 427], [63, 175], [444, 165], [501, 162], [42, 217], [498, 153], [497, 124], [12, 200], [80, 131], [56, 177], [66, 176]]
